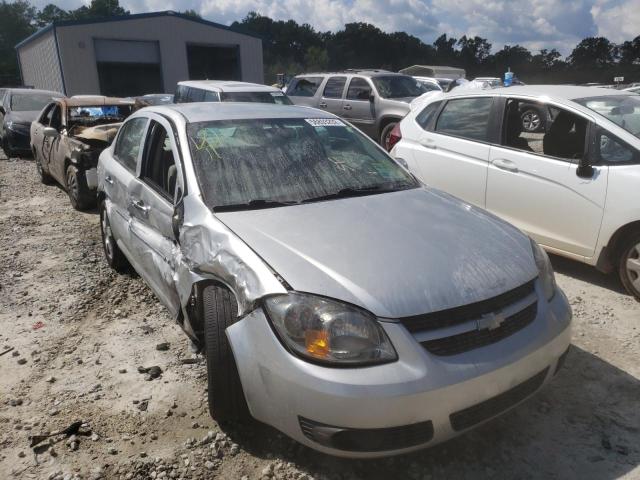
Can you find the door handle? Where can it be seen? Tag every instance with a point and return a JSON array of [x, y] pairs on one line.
[[140, 206], [108, 179], [347, 107], [322, 105], [504, 164]]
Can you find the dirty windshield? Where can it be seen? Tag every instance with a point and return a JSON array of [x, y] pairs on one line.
[[28, 102], [623, 110], [99, 114], [245, 164], [398, 86]]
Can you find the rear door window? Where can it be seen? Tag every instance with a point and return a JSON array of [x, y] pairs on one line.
[[304, 87], [466, 118], [334, 87], [359, 89], [128, 143]]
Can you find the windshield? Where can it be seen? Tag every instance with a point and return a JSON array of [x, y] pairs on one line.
[[623, 110], [288, 161], [29, 102], [99, 114], [430, 87], [398, 86], [256, 97]]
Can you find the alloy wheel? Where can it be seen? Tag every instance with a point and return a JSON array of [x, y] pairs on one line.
[[632, 263], [107, 236], [72, 184], [531, 121]]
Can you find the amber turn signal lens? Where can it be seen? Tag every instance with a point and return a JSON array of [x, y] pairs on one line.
[[317, 343]]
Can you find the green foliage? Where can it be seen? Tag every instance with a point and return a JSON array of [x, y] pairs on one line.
[[191, 13], [16, 24]]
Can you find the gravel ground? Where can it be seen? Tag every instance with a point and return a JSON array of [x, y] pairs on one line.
[[79, 332]]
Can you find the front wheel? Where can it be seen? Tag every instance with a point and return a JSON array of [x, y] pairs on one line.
[[79, 194], [113, 254], [45, 178], [629, 265], [226, 397]]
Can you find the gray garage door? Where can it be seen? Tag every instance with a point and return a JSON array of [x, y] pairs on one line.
[[128, 67]]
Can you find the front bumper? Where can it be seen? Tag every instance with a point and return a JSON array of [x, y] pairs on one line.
[[18, 139], [432, 397]]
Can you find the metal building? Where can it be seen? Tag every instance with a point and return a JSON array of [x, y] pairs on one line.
[[136, 54]]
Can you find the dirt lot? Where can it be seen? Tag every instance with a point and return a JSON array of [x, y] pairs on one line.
[[79, 332]]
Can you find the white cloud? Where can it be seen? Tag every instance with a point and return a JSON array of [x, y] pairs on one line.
[[533, 23]]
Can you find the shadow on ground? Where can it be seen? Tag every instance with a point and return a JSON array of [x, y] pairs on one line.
[[584, 424], [587, 273]]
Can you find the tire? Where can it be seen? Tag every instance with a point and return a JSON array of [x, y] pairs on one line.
[[629, 264], [227, 403], [384, 136], [8, 151], [532, 121], [113, 254], [79, 194], [45, 178]]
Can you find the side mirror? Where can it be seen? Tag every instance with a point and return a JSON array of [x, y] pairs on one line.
[[50, 132], [2, 110]]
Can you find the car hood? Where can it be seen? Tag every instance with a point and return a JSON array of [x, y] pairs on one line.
[[395, 254], [22, 117]]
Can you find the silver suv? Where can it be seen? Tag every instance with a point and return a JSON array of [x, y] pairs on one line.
[[372, 100]]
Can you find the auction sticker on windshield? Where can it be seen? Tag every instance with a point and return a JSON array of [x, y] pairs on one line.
[[324, 122]]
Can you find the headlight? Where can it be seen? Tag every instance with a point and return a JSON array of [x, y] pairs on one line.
[[547, 277], [329, 331], [9, 125]]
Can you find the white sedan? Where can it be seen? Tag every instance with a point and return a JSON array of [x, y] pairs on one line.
[[573, 185]]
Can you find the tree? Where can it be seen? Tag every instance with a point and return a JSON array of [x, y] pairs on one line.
[[445, 49], [593, 52], [630, 52], [99, 9], [547, 59], [473, 51], [191, 13], [515, 57], [16, 24], [49, 14]]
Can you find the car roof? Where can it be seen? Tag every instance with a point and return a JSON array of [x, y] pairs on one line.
[[213, 111], [555, 92], [363, 73], [94, 100], [228, 86]]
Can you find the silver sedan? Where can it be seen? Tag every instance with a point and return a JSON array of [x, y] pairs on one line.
[[334, 296]]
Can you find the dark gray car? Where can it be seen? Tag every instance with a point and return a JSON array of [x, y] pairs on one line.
[[20, 107], [372, 100]]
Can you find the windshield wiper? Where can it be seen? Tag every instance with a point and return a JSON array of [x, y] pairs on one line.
[[252, 205], [357, 192]]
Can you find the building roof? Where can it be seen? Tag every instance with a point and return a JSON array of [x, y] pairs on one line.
[[213, 111], [228, 86], [135, 16]]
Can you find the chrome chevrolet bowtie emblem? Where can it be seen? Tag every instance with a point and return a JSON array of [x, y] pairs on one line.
[[490, 321]]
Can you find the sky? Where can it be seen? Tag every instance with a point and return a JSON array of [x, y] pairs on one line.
[[534, 24]]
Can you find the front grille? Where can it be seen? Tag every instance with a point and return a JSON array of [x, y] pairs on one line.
[[480, 412], [464, 342], [369, 439], [465, 313]]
